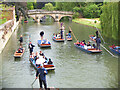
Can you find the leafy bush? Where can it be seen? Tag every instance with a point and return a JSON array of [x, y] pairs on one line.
[[76, 15], [91, 11], [49, 7]]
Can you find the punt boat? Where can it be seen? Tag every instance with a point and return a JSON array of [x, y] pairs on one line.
[[90, 50], [46, 66], [44, 45], [19, 55]]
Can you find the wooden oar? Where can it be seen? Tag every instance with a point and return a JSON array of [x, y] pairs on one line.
[[73, 34]]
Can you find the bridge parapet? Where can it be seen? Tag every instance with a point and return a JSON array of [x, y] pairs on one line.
[[37, 14], [48, 12]]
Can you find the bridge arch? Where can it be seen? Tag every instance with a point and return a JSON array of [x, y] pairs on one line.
[[47, 15], [65, 16]]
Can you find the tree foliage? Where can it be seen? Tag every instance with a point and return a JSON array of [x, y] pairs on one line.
[[91, 11], [30, 5], [49, 7], [109, 20]]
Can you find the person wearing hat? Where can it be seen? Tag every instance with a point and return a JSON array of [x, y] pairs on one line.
[[31, 47], [42, 77]]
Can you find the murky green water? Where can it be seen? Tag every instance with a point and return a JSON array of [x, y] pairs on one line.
[[74, 68]]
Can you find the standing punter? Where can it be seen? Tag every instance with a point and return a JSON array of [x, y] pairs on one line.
[[42, 77], [21, 40], [31, 47], [41, 34]]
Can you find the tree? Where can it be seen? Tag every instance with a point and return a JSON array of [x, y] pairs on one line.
[[109, 20], [30, 5], [49, 7], [91, 11]]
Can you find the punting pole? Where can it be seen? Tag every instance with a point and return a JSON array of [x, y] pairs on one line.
[[108, 51], [34, 81], [103, 46], [73, 34]]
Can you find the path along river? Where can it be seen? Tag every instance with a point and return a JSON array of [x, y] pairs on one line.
[[74, 68]]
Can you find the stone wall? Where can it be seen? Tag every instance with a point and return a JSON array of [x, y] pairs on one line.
[[8, 27]]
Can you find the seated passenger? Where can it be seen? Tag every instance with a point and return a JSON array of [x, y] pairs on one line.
[[113, 46], [88, 44], [54, 35], [58, 36], [69, 35], [36, 56], [20, 49], [77, 43], [41, 54], [84, 42], [94, 46], [50, 62], [43, 42]]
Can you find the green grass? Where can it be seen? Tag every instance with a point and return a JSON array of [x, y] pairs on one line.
[[89, 22], [2, 21]]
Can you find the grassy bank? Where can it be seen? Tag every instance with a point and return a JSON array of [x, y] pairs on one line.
[[89, 22]]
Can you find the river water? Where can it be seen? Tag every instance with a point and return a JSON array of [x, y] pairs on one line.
[[74, 68]]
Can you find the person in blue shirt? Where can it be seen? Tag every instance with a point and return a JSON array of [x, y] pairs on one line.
[[42, 76], [98, 41]]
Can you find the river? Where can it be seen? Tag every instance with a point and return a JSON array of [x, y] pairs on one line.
[[74, 68]]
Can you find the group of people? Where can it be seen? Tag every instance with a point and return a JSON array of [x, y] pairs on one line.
[[88, 45], [84, 45], [40, 60]]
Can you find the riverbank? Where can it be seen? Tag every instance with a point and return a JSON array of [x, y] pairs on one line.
[[89, 22], [6, 33]]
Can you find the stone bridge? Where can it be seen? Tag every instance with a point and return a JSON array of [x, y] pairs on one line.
[[37, 14]]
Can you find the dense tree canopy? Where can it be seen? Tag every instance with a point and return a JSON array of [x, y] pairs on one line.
[[49, 7], [109, 20]]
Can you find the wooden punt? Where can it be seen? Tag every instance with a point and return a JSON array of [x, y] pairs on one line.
[[90, 36], [25, 21], [18, 55], [115, 50], [44, 45], [47, 67], [91, 50], [58, 39]]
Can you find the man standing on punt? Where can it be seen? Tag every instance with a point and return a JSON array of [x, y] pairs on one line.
[[42, 77], [21, 40], [98, 41], [30, 46], [41, 34]]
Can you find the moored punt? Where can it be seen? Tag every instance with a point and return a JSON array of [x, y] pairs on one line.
[[91, 37], [44, 45], [18, 55], [90, 50], [25, 21], [68, 39], [115, 50], [58, 39], [47, 66]]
